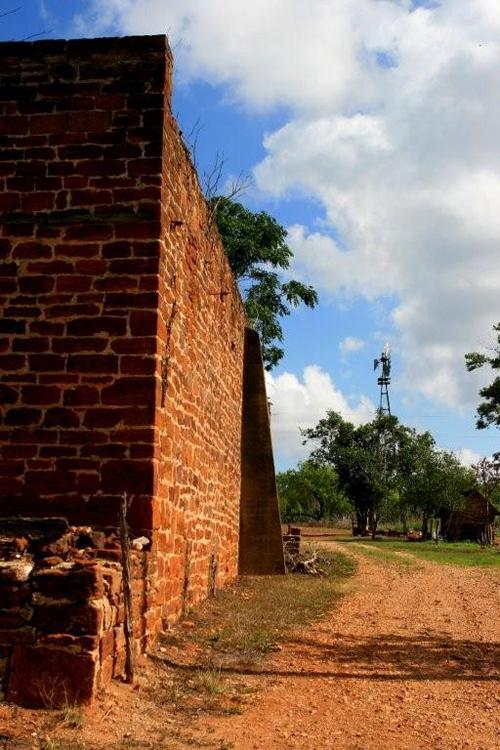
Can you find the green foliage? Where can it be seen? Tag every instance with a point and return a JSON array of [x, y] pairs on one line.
[[388, 470], [311, 492], [488, 411], [364, 458], [256, 248]]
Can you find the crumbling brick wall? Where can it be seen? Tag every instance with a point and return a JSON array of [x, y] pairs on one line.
[[122, 330]]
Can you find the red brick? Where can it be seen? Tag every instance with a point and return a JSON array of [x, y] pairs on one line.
[[139, 167], [49, 124], [46, 328], [73, 283], [128, 391], [12, 362], [32, 344], [103, 418], [19, 451], [49, 481], [38, 394], [60, 417], [143, 323], [37, 672], [37, 202], [32, 250], [91, 197], [46, 362], [36, 284], [68, 311], [52, 267], [9, 201], [92, 326], [22, 416], [81, 122], [135, 477], [89, 232], [83, 395], [138, 365], [8, 395], [14, 125], [139, 345], [94, 363]]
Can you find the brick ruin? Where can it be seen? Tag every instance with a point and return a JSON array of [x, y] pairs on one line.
[[126, 366]]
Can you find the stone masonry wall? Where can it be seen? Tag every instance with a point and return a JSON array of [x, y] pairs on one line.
[[121, 328], [62, 612], [80, 175], [202, 328]]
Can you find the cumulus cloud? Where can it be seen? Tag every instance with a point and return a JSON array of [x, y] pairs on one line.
[[468, 457], [350, 344], [301, 402], [393, 129]]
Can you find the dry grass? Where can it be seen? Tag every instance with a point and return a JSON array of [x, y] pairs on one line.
[[212, 666]]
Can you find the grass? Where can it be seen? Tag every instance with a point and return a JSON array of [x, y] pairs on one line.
[[211, 681], [465, 554], [255, 614], [219, 658], [386, 555]]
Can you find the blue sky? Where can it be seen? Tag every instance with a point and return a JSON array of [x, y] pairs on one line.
[[370, 129]]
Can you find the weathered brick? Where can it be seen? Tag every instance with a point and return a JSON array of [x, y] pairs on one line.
[[22, 416], [125, 391], [36, 284], [61, 417], [91, 326], [40, 394], [95, 363], [83, 395]]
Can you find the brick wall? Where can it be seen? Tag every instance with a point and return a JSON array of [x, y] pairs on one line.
[[81, 176], [122, 330]]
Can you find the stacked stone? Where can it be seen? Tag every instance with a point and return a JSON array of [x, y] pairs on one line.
[[61, 627]]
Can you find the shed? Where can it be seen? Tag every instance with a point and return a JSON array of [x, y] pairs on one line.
[[472, 522]]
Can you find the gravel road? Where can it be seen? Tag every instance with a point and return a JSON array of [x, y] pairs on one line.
[[410, 659]]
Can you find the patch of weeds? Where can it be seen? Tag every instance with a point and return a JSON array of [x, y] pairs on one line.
[[72, 717], [225, 745], [233, 711], [253, 615], [48, 743], [211, 681]]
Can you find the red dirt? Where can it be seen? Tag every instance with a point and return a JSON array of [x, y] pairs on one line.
[[408, 659]]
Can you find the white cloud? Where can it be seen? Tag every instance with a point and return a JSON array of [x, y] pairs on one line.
[[467, 457], [300, 403], [403, 156], [350, 344]]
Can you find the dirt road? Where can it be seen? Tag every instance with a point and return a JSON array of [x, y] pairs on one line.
[[410, 659]]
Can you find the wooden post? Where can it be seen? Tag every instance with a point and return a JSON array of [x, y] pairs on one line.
[[127, 591]]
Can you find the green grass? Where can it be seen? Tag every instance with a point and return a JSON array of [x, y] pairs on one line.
[[466, 554], [386, 555]]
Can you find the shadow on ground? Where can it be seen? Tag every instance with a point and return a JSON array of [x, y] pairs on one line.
[[381, 657]]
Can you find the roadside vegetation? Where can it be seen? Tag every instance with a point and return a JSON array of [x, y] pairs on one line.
[[208, 663], [465, 554]]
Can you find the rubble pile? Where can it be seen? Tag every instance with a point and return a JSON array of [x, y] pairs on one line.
[[61, 610]]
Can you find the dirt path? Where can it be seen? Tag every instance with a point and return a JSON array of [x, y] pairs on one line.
[[410, 659]]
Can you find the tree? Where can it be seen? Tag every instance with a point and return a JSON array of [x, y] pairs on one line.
[[365, 472], [487, 476], [437, 482], [256, 248], [310, 492], [488, 410]]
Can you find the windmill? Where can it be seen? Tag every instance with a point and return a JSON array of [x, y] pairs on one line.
[[384, 380]]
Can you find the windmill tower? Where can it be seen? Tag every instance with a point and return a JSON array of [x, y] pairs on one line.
[[384, 381]]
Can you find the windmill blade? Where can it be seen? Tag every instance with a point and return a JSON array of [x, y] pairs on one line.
[[375, 364]]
